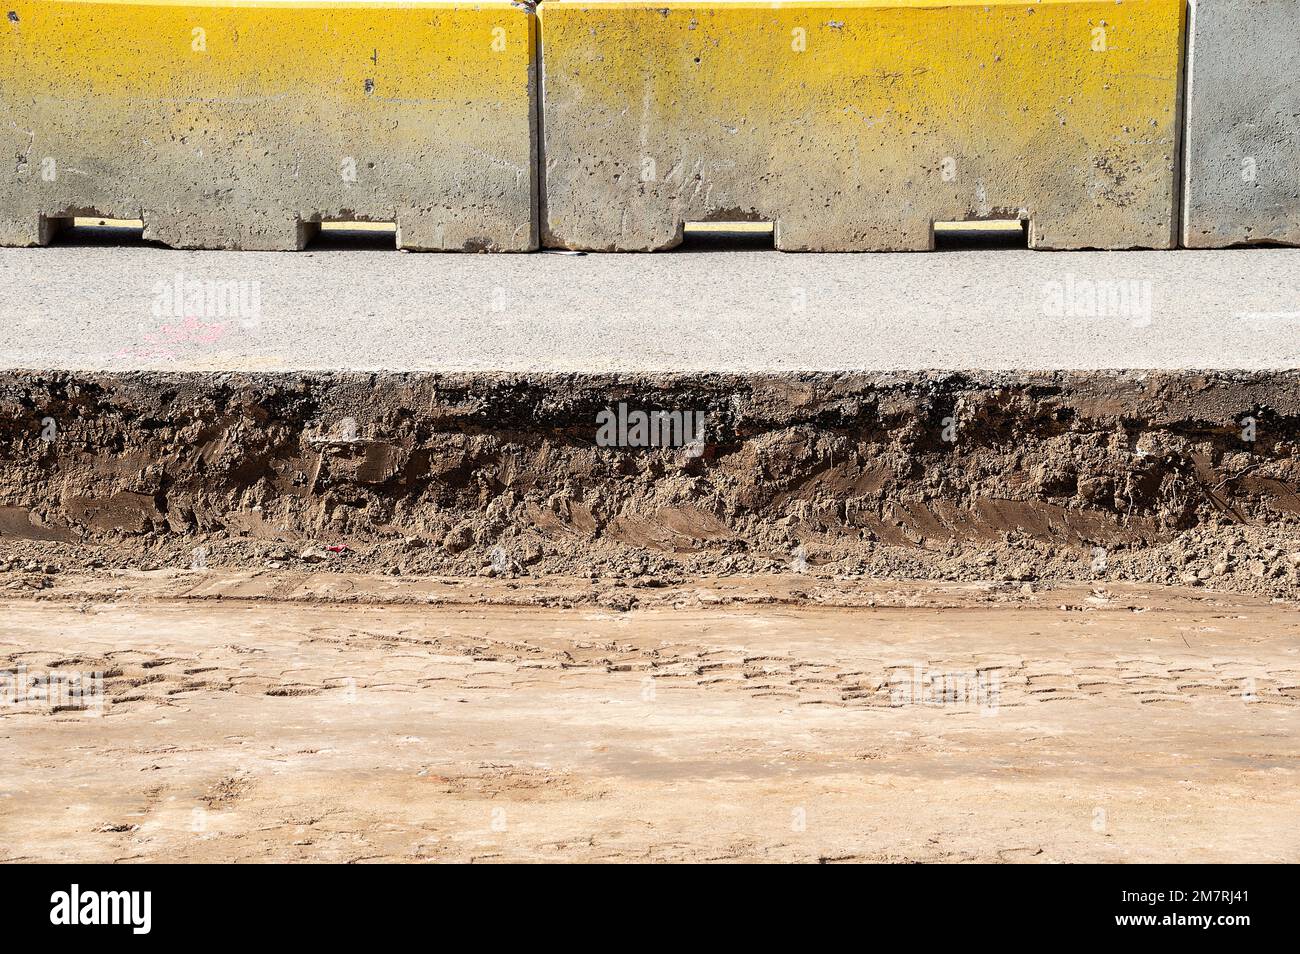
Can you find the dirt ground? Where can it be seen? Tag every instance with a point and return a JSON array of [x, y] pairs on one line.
[[279, 715]]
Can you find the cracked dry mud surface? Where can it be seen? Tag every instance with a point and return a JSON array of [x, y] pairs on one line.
[[281, 715]]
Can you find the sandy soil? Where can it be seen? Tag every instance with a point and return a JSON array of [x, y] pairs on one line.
[[277, 715]]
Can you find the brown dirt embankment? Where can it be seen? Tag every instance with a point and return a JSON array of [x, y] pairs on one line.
[[1150, 477]]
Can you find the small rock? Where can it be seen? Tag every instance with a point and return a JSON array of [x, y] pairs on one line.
[[457, 539], [311, 556]]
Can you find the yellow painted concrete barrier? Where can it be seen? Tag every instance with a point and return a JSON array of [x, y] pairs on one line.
[[243, 124], [858, 125]]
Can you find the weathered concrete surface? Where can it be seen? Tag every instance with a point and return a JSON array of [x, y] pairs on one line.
[[857, 125], [1242, 165], [239, 126], [99, 308]]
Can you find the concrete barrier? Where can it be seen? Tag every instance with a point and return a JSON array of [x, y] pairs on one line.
[[243, 124], [1242, 165], [857, 125]]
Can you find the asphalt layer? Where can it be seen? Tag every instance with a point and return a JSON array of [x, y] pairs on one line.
[[720, 305]]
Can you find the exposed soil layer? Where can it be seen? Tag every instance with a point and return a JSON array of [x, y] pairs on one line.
[[1149, 477]]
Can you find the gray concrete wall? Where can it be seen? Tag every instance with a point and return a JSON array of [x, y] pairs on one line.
[[1242, 160], [242, 126]]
